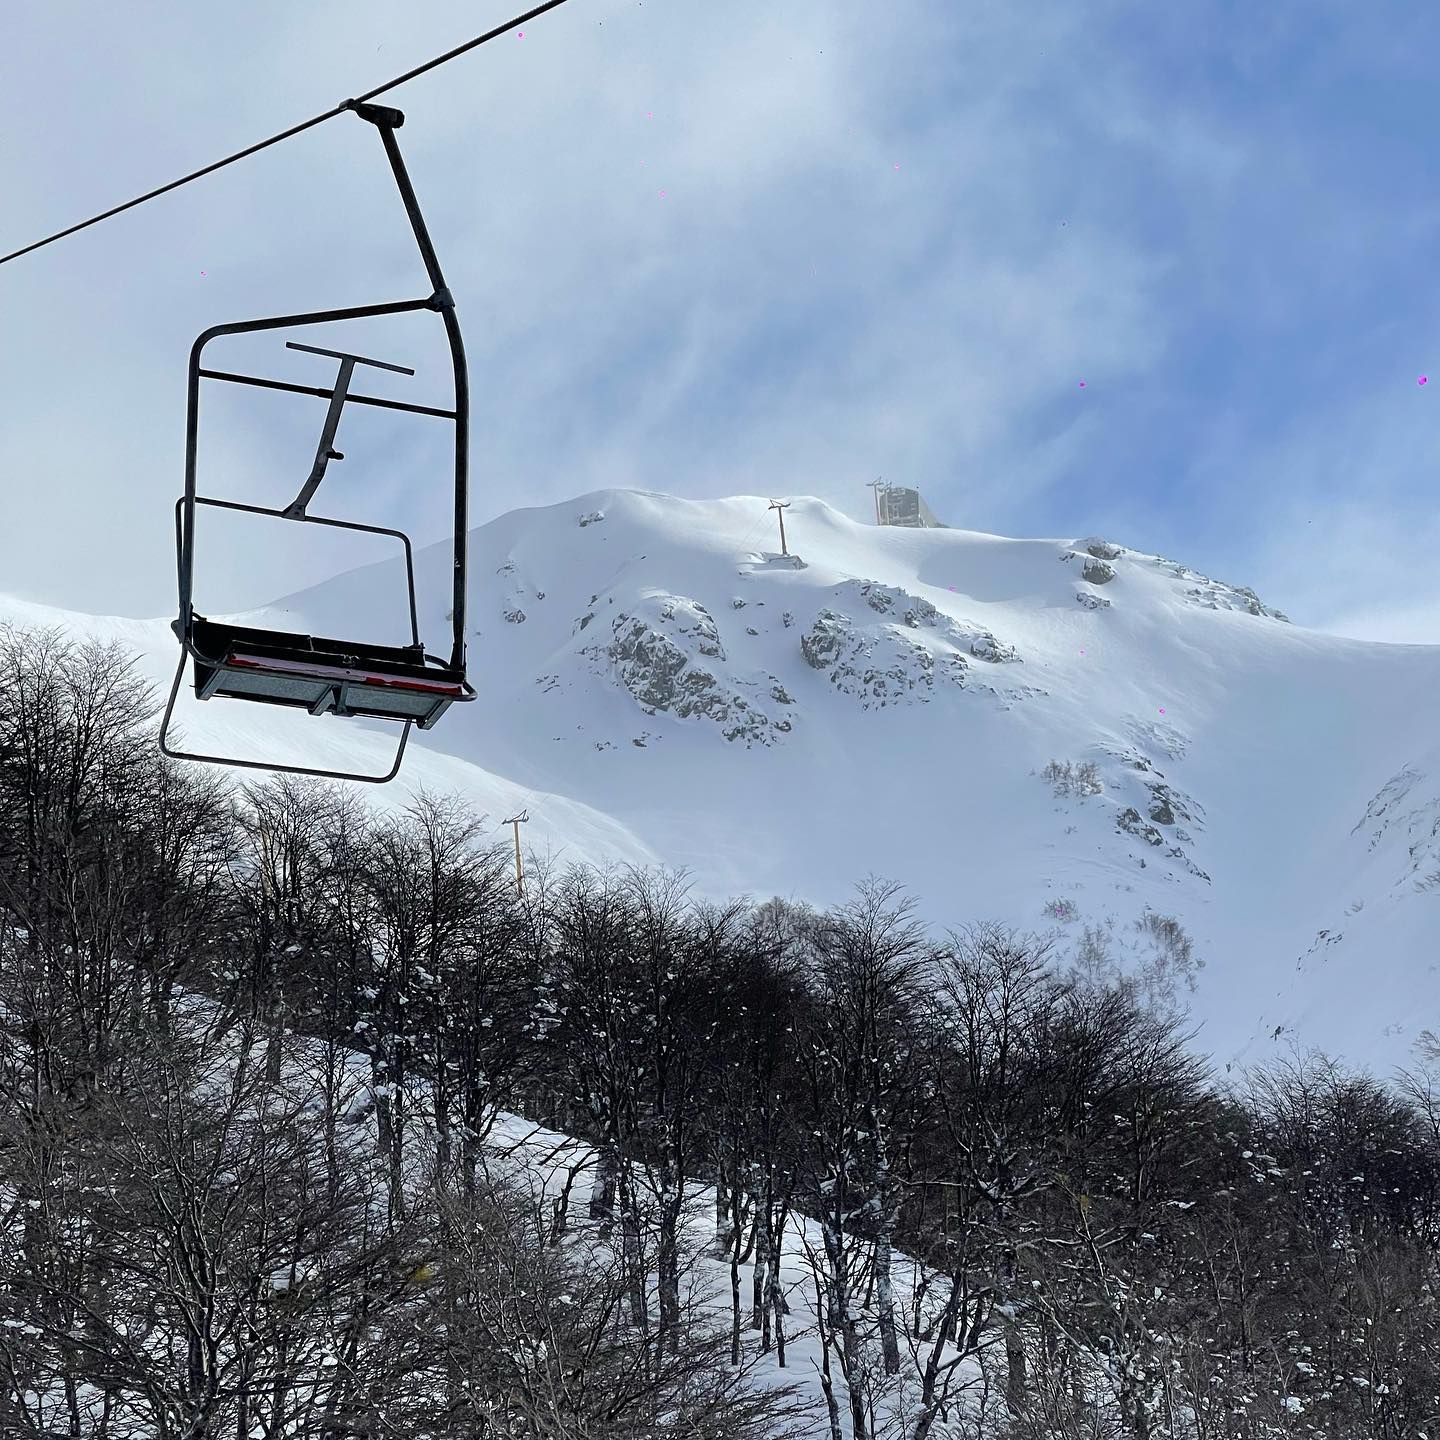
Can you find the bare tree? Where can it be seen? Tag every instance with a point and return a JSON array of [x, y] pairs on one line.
[[860, 1056]]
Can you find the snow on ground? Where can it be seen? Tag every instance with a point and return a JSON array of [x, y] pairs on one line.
[[658, 683], [536, 1160], [562, 824]]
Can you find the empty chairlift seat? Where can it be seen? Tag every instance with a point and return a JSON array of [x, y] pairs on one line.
[[336, 677], [339, 676]]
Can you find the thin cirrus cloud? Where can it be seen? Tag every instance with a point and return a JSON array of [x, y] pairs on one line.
[[1171, 207]]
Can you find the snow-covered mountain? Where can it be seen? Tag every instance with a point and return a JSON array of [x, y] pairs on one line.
[[658, 683]]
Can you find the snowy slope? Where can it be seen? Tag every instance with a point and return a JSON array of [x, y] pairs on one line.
[[657, 682], [565, 827]]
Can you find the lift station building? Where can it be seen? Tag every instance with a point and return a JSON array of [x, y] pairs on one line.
[[899, 505]]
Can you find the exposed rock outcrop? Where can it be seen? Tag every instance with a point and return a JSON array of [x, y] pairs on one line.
[[1130, 822], [672, 660], [881, 664], [1216, 594]]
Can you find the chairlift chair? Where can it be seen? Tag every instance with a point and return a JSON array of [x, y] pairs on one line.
[[328, 676]]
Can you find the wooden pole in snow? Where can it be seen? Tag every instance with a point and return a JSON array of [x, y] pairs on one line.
[[780, 506], [517, 821]]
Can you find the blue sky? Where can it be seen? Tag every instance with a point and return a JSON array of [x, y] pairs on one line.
[[893, 240]]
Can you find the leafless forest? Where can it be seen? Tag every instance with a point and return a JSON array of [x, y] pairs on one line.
[[256, 1042]]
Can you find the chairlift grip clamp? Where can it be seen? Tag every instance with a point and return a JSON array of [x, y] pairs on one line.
[[384, 116]]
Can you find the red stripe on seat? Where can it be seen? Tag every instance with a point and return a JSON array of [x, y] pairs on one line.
[[396, 682], [340, 672]]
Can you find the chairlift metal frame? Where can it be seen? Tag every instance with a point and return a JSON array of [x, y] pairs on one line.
[[341, 677]]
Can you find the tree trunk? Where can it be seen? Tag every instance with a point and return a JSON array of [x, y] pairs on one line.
[[632, 1252], [560, 1207], [1015, 1383], [929, 1381], [842, 1323], [777, 1305], [885, 1298], [1016, 1386], [764, 1253], [736, 1236], [827, 1386], [757, 1273], [440, 1108], [722, 1214], [671, 1202], [602, 1190]]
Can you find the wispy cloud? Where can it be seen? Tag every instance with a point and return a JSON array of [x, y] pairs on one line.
[[890, 241]]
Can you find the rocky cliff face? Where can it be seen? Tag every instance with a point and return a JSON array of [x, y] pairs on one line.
[[1405, 814], [878, 645], [1095, 558], [667, 653], [902, 657]]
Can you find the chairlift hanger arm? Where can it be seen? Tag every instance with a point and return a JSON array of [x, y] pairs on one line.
[[387, 121]]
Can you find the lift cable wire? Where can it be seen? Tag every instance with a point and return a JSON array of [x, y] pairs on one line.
[[293, 130]]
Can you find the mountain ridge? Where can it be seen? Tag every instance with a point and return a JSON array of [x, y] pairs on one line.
[[656, 683]]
